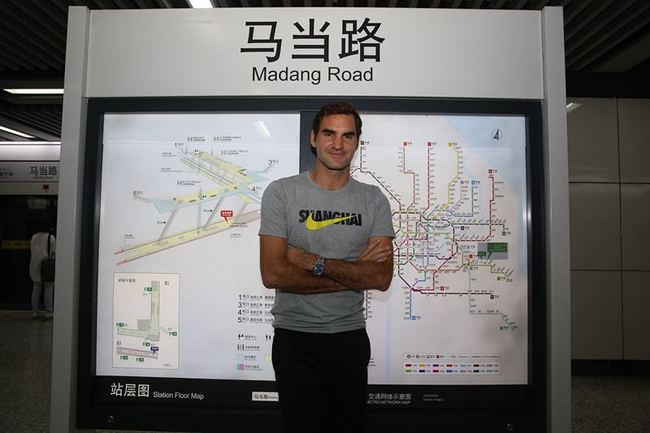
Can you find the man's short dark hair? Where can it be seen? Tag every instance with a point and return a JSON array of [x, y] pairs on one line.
[[338, 107]]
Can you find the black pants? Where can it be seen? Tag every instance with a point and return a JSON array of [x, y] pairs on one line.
[[322, 380]]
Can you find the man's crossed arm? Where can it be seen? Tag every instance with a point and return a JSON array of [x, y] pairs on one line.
[[290, 269]]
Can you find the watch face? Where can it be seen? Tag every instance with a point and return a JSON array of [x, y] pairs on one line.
[[319, 267]]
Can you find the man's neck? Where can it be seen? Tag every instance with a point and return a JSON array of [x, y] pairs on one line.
[[330, 180]]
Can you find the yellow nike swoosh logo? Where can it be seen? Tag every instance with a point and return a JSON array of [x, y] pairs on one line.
[[317, 225]]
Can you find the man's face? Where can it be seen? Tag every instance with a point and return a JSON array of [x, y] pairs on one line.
[[336, 141]]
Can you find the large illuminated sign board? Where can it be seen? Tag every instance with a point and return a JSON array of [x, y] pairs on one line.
[[176, 317]]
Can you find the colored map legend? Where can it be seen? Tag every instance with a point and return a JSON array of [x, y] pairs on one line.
[[451, 364]]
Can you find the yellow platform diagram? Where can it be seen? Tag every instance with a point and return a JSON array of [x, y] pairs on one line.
[[230, 181]]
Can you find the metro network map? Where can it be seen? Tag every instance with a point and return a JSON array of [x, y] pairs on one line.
[[179, 289], [456, 312]]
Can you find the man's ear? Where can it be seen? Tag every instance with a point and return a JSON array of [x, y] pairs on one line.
[[312, 138]]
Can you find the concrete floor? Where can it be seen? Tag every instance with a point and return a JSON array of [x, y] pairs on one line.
[[607, 404], [610, 404]]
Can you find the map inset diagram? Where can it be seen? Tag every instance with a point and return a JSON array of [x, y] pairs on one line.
[[146, 320]]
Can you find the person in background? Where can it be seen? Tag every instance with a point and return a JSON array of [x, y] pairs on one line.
[[39, 251]]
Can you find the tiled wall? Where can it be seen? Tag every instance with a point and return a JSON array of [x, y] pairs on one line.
[[609, 176]]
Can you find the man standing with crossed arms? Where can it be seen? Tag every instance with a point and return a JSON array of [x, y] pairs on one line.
[[324, 239]]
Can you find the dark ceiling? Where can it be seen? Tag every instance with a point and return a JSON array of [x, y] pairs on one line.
[[607, 45]]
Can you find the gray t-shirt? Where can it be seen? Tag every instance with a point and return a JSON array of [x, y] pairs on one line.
[[361, 211]]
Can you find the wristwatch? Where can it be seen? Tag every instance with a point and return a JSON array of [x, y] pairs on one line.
[[319, 267]]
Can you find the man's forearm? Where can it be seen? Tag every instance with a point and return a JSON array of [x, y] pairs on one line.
[[358, 275], [289, 278]]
